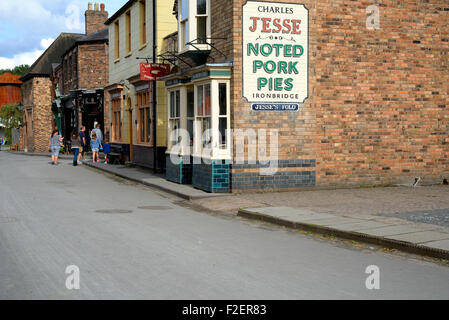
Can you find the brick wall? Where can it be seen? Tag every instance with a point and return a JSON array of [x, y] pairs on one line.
[[93, 65], [95, 20], [377, 111]]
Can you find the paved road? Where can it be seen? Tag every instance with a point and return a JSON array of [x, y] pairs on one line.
[[53, 217]]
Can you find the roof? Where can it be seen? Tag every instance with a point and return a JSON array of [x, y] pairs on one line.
[[102, 35], [120, 11], [43, 65], [9, 78], [99, 36]]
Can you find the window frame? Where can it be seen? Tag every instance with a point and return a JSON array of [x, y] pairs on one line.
[[117, 40], [116, 109], [144, 107], [188, 26], [176, 117], [128, 31], [143, 22]]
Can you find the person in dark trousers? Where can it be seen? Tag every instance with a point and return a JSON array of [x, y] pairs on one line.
[[76, 145], [83, 149]]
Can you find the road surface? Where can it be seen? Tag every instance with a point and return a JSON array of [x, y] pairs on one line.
[[130, 242]]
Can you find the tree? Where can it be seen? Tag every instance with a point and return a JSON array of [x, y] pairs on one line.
[[11, 116], [18, 70]]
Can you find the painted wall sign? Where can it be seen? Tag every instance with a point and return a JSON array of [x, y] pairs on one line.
[[153, 71], [275, 55]]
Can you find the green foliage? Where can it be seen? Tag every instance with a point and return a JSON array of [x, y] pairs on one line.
[[11, 115], [19, 70]]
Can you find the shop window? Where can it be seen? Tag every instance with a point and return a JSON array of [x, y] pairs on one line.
[[204, 113], [190, 114], [143, 22], [175, 117], [223, 113], [116, 119], [144, 124]]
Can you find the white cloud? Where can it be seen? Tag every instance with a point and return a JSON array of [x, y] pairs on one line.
[[25, 57], [45, 43], [21, 58]]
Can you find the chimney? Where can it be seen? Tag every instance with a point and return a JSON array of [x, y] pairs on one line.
[[96, 18]]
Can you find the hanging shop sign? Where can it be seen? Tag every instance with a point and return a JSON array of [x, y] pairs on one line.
[[275, 55], [153, 71]]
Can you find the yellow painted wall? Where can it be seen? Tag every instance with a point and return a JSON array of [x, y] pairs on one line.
[[166, 24], [127, 66]]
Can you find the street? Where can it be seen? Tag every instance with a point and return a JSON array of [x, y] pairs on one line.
[[130, 242]]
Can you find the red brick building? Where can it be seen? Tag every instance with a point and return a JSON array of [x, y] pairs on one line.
[[368, 84], [64, 87], [84, 75], [38, 94]]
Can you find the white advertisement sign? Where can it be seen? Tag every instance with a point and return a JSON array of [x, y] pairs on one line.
[[275, 55]]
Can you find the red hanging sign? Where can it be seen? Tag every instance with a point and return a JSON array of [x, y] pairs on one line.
[[153, 71]]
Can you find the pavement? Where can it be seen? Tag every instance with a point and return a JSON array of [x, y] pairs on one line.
[[426, 240], [147, 178], [132, 242], [414, 220]]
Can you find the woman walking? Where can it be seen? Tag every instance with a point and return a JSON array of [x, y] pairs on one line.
[[76, 145], [55, 146], [95, 146]]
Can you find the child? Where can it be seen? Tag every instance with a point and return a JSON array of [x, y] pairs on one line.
[[76, 145], [95, 146]]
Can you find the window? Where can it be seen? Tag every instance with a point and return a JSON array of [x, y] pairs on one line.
[[117, 40], [128, 31], [116, 119], [204, 113], [201, 21], [190, 114], [194, 22], [223, 114], [144, 124], [175, 116], [143, 22], [184, 18]]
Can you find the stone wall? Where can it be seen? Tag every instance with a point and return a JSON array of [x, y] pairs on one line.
[[42, 115]]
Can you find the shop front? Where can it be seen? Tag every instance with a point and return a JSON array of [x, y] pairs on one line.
[[199, 144]]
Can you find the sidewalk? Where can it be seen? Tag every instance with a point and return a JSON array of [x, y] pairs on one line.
[[152, 180], [409, 219]]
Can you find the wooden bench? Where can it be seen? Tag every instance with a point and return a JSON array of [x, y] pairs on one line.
[[14, 148], [116, 154]]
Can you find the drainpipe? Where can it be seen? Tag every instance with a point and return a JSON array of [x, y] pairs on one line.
[[155, 162]]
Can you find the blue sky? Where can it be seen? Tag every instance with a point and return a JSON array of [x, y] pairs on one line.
[[28, 27]]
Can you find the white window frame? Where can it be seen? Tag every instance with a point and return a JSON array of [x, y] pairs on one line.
[[217, 151], [190, 23]]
